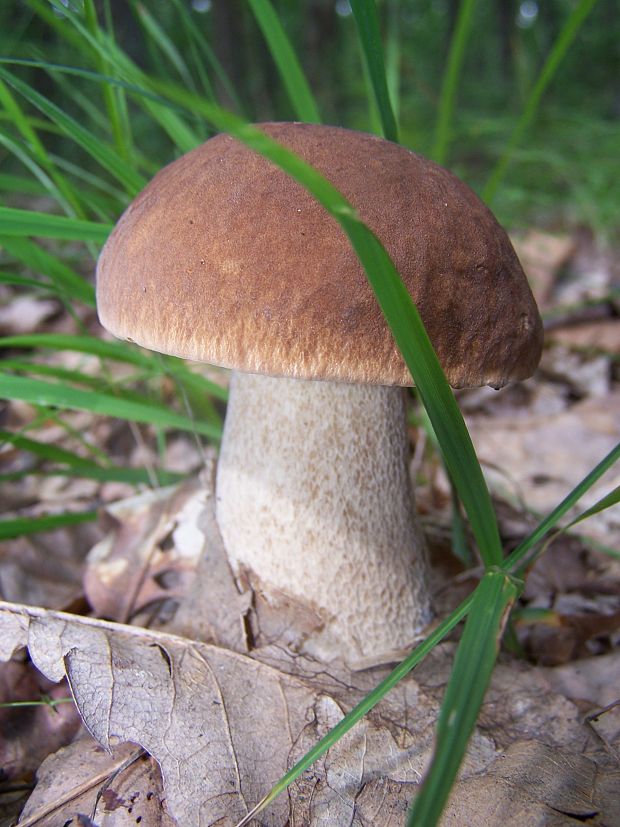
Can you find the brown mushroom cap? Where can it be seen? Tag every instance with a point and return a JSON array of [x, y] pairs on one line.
[[223, 258]]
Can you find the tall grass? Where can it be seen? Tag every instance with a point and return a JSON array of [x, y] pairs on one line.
[[179, 103]]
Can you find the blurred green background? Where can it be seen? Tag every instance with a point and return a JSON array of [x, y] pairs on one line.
[[560, 176]]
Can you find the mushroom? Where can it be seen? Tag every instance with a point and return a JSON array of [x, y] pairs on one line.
[[225, 259]]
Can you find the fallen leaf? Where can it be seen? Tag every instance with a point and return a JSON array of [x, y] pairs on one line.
[[224, 727], [45, 569], [606, 723], [24, 313], [542, 255], [602, 335], [535, 784], [548, 455], [582, 374], [149, 554], [207, 715], [591, 682], [84, 780]]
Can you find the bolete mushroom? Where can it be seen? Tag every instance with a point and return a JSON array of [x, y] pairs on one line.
[[223, 258]]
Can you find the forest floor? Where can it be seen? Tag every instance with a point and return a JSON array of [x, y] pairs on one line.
[[554, 700]]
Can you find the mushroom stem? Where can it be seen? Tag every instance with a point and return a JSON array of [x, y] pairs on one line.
[[315, 504]]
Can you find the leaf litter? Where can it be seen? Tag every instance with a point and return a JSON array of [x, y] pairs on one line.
[[225, 718], [224, 726]]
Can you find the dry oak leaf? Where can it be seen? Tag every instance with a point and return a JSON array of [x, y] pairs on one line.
[[199, 710], [535, 785], [118, 789], [225, 727], [549, 455]]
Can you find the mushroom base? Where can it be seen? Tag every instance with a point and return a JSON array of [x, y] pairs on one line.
[[314, 498]]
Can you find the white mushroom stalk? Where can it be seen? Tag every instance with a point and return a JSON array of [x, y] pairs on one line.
[[315, 503]]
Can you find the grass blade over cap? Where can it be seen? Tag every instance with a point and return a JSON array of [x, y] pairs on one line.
[[367, 21]]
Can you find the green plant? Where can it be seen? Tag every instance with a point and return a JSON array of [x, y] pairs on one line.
[[111, 158]]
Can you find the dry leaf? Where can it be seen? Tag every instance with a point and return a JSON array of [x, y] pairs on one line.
[[548, 455], [224, 727], [581, 374], [533, 784], [150, 554], [84, 779], [24, 313], [595, 681], [542, 255], [602, 335], [45, 569], [207, 715]]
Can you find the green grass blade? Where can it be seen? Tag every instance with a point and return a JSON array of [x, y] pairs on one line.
[[202, 53], [21, 281], [21, 526], [103, 201], [105, 46], [420, 652], [451, 77], [364, 707], [611, 499], [285, 59], [471, 673], [393, 55], [154, 363], [562, 43], [118, 351], [158, 36], [367, 21], [19, 120], [68, 283], [37, 392], [107, 157], [112, 96], [20, 184], [14, 222], [195, 391], [43, 450], [111, 473], [89, 104], [54, 69], [73, 465], [515, 561], [48, 185], [77, 377]]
